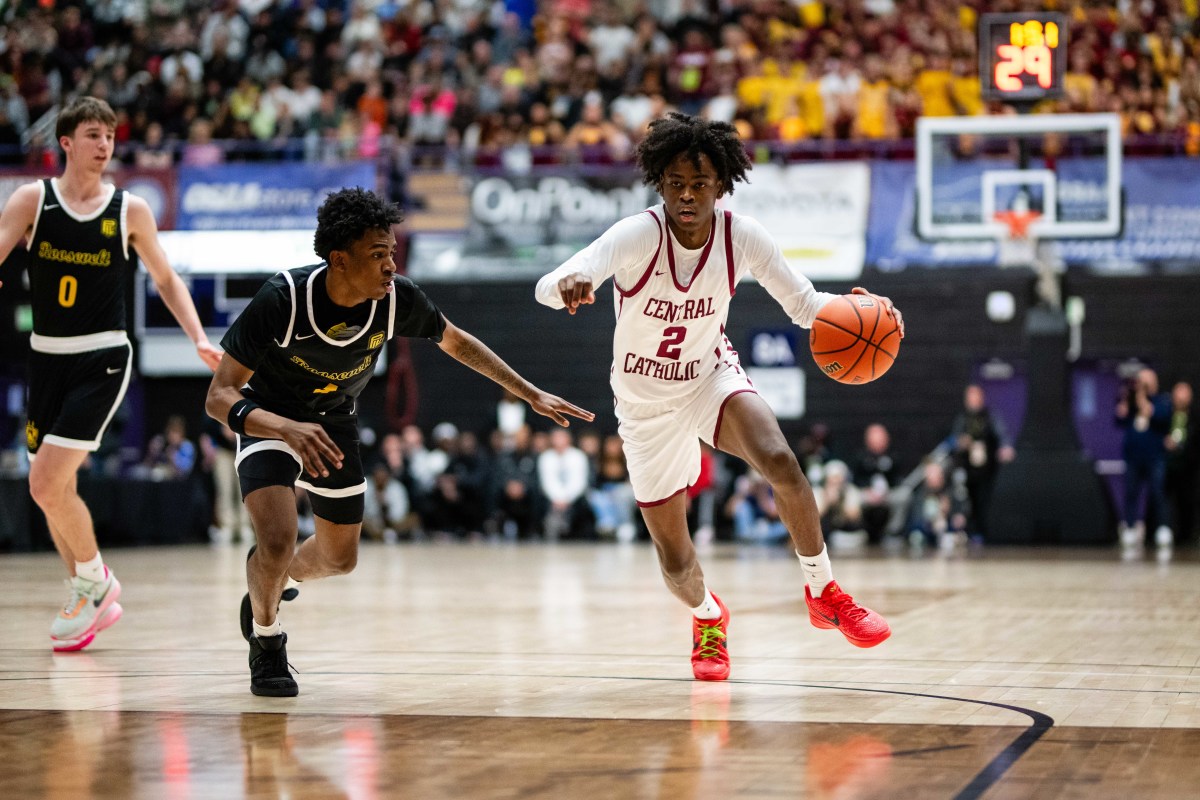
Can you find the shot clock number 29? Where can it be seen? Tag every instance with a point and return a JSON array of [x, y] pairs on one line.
[[1022, 57]]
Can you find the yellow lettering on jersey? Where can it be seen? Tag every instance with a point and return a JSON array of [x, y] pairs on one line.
[[51, 253], [108, 227], [330, 388], [376, 340], [31, 435], [334, 376]]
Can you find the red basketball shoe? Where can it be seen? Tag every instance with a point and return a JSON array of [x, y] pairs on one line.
[[836, 609], [710, 659]]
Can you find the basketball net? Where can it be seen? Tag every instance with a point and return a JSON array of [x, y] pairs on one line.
[[1017, 247]]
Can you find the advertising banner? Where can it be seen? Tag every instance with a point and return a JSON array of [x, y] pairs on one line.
[[155, 186], [1161, 220], [529, 224], [816, 212], [262, 196]]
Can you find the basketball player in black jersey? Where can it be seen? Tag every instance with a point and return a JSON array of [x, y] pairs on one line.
[[79, 231], [295, 362]]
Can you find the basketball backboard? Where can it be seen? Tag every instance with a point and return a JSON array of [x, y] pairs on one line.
[[1066, 167]]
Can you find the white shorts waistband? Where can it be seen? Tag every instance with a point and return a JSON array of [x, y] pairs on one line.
[[60, 345]]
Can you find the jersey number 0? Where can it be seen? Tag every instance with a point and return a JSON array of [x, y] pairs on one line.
[[68, 287]]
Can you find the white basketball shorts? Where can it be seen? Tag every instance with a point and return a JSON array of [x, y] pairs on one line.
[[662, 440]]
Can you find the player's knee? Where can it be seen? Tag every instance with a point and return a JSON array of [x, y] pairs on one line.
[[342, 561], [780, 467], [276, 550], [46, 489]]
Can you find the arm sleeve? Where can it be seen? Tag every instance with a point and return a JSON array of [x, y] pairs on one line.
[[262, 325], [620, 251], [760, 253], [416, 314]]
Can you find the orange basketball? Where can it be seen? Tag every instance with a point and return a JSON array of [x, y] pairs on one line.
[[853, 340]]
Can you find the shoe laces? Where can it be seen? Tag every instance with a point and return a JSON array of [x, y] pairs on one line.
[[711, 639], [845, 606], [80, 589], [273, 662]]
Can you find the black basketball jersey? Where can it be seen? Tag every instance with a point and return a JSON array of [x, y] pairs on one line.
[[311, 357], [78, 266]]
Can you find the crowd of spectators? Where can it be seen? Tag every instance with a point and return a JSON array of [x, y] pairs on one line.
[[240, 79]]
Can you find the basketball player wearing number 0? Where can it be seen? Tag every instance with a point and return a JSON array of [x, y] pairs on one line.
[[677, 379], [79, 231]]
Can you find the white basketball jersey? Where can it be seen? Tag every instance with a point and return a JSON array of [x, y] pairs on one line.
[[670, 332], [670, 329]]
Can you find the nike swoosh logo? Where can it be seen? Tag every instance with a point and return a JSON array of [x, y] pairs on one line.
[[100, 599], [309, 336], [834, 619], [113, 370], [47, 208], [660, 273]]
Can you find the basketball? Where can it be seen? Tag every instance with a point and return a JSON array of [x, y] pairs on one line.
[[853, 339]]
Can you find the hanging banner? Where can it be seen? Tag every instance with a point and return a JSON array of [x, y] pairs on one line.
[[817, 213]]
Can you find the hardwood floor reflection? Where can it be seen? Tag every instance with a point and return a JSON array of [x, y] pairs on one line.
[[89, 754], [551, 672]]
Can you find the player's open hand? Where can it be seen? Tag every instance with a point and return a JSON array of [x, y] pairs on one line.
[[210, 355], [888, 306], [316, 450], [549, 405], [575, 291]]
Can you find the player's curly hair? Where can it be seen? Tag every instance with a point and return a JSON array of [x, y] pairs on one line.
[[679, 133], [347, 214]]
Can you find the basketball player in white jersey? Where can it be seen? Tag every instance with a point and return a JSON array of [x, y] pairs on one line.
[[78, 231], [677, 379]]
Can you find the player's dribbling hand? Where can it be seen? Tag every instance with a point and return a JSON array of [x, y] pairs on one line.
[[554, 407], [888, 306], [575, 291], [313, 445], [210, 355]]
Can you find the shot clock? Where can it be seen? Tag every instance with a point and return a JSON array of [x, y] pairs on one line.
[[1022, 57]]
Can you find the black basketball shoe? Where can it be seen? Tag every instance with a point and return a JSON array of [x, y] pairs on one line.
[[246, 616], [269, 673]]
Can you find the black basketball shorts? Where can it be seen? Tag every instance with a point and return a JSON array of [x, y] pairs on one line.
[[271, 462], [73, 396]]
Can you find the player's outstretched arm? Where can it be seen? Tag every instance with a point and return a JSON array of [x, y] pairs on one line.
[[17, 218], [143, 235], [308, 440], [576, 290], [468, 350], [624, 246]]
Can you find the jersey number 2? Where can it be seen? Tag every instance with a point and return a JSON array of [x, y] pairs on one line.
[[671, 345], [68, 287]]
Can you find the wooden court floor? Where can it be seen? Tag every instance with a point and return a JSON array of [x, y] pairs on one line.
[[561, 671]]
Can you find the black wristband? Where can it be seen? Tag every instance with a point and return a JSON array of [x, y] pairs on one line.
[[238, 413]]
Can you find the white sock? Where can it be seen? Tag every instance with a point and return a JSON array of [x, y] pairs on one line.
[[708, 608], [817, 570], [274, 629], [91, 570]]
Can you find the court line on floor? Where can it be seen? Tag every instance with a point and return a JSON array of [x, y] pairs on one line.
[[995, 770]]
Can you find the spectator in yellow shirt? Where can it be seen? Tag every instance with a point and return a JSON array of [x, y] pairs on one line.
[[874, 119], [933, 84]]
